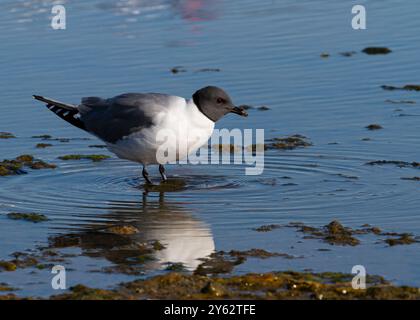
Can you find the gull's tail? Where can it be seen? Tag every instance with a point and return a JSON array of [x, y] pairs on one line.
[[65, 111]]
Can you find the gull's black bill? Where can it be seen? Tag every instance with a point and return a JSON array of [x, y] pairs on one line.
[[240, 111]]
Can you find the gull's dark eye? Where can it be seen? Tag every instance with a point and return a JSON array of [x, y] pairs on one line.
[[220, 100]]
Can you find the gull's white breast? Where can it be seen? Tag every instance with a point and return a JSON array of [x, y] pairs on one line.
[[179, 130]]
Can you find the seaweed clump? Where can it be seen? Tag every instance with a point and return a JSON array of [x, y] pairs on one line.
[[43, 145], [374, 127], [93, 157], [289, 143], [333, 233], [32, 217], [404, 238], [15, 166]]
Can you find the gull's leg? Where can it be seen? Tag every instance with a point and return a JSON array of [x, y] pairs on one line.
[[162, 172], [146, 175]]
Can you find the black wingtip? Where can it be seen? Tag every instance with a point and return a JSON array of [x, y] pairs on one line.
[[36, 97]]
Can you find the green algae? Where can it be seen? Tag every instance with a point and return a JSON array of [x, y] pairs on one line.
[[93, 157], [32, 217]]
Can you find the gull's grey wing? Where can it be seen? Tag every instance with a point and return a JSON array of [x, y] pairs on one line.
[[112, 119]]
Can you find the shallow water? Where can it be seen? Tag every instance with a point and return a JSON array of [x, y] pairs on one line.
[[269, 54]]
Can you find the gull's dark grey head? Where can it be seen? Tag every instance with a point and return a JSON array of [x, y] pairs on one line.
[[214, 103]]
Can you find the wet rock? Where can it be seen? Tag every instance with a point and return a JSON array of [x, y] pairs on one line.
[[374, 127], [377, 50], [32, 217], [93, 157]]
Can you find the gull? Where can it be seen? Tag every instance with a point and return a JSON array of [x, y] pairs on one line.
[[131, 124]]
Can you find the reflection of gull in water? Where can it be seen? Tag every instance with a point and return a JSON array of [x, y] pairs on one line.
[[192, 10], [185, 238]]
